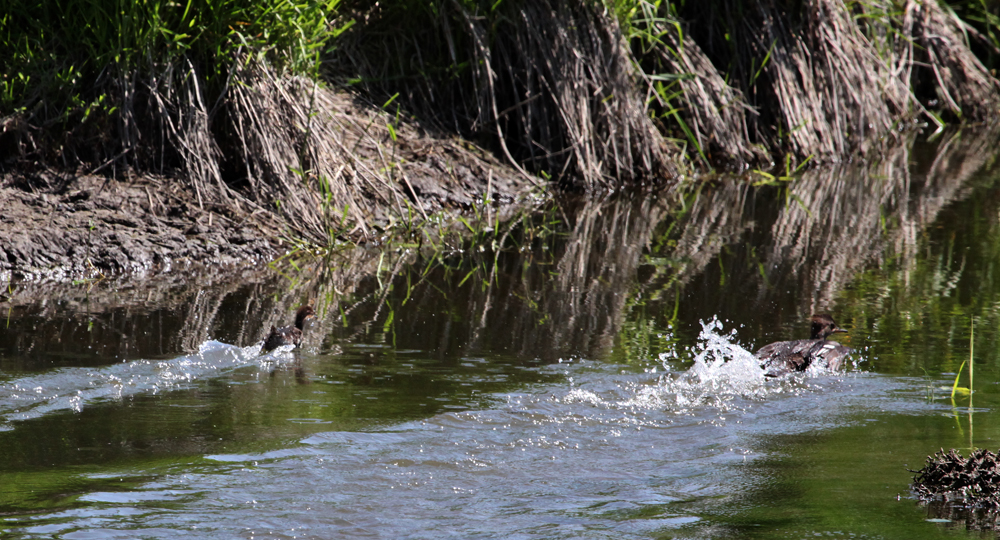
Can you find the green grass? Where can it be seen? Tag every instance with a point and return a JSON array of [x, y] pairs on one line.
[[60, 59]]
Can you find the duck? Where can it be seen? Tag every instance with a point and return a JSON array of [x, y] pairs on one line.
[[288, 335], [784, 357]]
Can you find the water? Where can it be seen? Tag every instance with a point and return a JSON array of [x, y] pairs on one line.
[[601, 453], [594, 380]]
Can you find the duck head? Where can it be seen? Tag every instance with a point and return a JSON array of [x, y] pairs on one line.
[[823, 325], [301, 314]]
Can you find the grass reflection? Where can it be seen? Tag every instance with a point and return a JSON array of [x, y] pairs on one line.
[[914, 313]]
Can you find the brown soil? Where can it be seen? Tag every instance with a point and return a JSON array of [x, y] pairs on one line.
[[62, 225], [65, 226]]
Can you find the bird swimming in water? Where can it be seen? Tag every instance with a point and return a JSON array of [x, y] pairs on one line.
[[288, 335], [784, 357]]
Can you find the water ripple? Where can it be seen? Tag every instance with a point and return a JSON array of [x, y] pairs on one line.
[[74, 388]]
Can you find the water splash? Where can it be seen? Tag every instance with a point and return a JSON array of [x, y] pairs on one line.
[[723, 372], [74, 388], [721, 363], [725, 376]]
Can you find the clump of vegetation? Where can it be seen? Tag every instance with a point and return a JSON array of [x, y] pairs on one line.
[[99, 66], [975, 479], [831, 79], [550, 83], [222, 91], [566, 87]]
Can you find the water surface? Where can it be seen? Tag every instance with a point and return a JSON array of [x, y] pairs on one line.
[[585, 373]]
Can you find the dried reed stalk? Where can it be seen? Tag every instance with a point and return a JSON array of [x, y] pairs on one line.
[[835, 93], [550, 83], [830, 79], [553, 84], [182, 114], [715, 112], [294, 145], [589, 120], [963, 85], [270, 119]]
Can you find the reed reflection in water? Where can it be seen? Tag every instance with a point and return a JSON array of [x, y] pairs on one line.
[[769, 257], [766, 254]]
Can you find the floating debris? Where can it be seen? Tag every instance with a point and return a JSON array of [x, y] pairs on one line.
[[972, 481]]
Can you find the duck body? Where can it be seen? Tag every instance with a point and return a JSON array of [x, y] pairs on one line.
[[784, 357], [288, 335]]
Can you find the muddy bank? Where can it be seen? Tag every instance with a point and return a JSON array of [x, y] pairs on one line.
[[241, 165], [67, 225], [64, 227]]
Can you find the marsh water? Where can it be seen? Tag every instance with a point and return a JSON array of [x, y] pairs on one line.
[[579, 372]]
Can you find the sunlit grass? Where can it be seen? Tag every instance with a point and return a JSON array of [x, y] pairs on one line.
[[60, 59]]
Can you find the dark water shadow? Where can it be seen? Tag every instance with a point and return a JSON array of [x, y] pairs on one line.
[[61, 324], [768, 257], [772, 253], [956, 515]]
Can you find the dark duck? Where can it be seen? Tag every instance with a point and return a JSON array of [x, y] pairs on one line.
[[288, 335], [784, 357]]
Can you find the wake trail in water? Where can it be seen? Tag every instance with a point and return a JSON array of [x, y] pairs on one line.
[[73, 388]]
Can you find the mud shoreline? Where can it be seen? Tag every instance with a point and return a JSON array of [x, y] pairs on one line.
[[66, 225], [62, 227]]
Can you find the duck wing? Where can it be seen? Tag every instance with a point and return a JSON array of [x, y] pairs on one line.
[[784, 357], [288, 335], [830, 354]]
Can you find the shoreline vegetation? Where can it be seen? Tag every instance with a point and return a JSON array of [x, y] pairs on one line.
[[256, 127]]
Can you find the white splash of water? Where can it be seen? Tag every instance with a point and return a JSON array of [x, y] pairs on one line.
[[722, 364], [724, 376], [723, 373]]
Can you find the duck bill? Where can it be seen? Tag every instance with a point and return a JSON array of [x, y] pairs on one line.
[[838, 330]]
